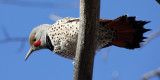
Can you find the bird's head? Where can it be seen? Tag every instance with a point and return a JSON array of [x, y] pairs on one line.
[[37, 38]]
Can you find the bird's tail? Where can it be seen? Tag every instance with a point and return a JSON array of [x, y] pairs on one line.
[[130, 32]]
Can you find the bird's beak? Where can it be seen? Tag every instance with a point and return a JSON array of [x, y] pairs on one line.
[[29, 53]]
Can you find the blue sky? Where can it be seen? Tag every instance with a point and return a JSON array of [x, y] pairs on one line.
[[20, 19]]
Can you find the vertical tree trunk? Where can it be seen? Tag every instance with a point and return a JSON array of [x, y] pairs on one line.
[[89, 21]]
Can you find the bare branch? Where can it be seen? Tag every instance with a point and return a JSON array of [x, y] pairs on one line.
[[16, 39], [105, 54], [146, 41], [151, 37], [8, 39], [5, 32], [151, 74], [115, 75], [22, 45], [55, 17]]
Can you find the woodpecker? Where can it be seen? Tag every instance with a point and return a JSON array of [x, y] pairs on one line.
[[61, 37]]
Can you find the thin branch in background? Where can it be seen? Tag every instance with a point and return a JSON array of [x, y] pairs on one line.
[[115, 75], [146, 41], [8, 39], [23, 42], [55, 17], [150, 37], [158, 1], [5, 32], [105, 54], [41, 4], [151, 74]]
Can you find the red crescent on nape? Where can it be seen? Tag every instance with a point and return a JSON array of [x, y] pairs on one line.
[[38, 43]]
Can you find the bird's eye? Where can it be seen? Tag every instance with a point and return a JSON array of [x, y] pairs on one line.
[[34, 40]]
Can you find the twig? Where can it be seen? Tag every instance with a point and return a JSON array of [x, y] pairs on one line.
[[150, 37], [151, 74], [8, 39], [5, 32], [146, 41], [105, 54], [115, 75], [55, 17], [16, 39]]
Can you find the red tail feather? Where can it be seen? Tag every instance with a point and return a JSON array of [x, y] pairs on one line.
[[130, 32]]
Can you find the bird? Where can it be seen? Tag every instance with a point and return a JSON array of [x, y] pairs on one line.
[[61, 37]]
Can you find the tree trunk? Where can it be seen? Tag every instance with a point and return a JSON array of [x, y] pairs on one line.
[[87, 39]]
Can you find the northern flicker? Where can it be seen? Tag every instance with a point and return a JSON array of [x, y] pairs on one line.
[[61, 37]]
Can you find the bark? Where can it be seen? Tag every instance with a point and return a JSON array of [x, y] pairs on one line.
[[86, 46]]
